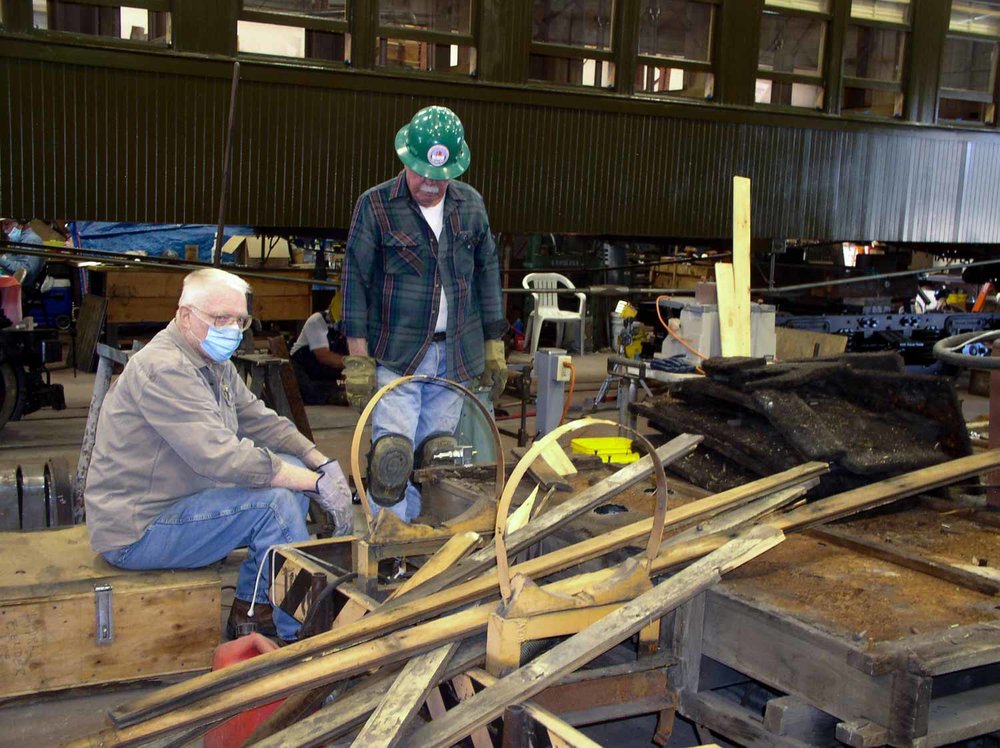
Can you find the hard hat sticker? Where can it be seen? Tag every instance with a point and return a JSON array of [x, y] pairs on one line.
[[437, 155]]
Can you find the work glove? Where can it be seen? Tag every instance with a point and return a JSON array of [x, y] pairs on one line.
[[495, 374], [359, 380], [334, 495]]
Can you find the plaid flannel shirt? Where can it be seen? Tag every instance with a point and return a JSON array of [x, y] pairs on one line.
[[395, 267]]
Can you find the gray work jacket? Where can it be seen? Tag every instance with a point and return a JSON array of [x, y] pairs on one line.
[[174, 424]]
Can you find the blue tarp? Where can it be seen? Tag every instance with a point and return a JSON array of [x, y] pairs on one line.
[[152, 238]]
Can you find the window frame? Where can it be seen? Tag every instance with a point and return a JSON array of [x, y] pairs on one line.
[[990, 98], [562, 51], [153, 6], [429, 36], [875, 84], [294, 20], [820, 79]]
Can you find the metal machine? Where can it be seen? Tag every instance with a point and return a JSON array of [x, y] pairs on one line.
[[25, 383]]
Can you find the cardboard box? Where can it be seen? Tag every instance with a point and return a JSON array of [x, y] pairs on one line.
[[161, 622]]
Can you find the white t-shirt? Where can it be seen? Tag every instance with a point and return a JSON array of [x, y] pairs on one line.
[[435, 219], [313, 334]]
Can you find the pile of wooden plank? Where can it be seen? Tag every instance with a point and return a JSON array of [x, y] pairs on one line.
[[427, 647], [859, 412]]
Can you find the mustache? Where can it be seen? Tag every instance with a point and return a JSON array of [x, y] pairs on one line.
[[429, 189]]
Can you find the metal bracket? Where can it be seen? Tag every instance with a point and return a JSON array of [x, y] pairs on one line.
[[103, 614]]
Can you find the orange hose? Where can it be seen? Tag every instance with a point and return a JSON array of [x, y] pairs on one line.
[[572, 386], [673, 334]]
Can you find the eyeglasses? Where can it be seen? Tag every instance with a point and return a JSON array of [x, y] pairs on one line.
[[223, 320]]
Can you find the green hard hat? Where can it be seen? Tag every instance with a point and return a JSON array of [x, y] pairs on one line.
[[433, 144]]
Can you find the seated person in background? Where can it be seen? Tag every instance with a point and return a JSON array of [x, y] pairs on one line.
[[12, 262], [318, 361], [188, 464]]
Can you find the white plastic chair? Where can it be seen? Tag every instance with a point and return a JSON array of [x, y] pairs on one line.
[[547, 306]]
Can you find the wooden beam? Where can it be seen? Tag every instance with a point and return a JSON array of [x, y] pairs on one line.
[[741, 264], [847, 503], [384, 620], [352, 709], [597, 638], [901, 557], [725, 291], [457, 547], [388, 724], [558, 728]]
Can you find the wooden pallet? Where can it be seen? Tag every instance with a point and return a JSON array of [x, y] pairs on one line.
[[869, 649]]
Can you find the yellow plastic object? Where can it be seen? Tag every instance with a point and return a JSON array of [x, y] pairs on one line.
[[957, 299], [612, 449]]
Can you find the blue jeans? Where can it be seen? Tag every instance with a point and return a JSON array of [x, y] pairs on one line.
[[203, 528], [415, 410]]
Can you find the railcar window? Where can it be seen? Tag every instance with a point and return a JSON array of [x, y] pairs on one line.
[[968, 87], [307, 29], [427, 35], [874, 54], [675, 48], [137, 20], [571, 42], [791, 53]]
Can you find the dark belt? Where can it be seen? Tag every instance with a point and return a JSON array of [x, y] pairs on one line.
[[439, 336]]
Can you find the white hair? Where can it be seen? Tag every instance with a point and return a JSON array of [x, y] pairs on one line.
[[201, 285]]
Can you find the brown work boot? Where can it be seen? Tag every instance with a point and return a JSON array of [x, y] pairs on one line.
[[240, 622]]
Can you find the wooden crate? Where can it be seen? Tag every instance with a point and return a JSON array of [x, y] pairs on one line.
[[162, 622], [867, 651]]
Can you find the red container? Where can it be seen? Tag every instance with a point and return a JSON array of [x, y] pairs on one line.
[[232, 732]]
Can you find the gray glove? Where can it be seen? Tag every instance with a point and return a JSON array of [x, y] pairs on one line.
[[334, 495]]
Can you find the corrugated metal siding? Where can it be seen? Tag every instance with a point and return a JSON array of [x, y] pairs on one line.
[[125, 145]]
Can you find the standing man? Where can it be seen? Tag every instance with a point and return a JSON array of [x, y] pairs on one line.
[[188, 464], [421, 296]]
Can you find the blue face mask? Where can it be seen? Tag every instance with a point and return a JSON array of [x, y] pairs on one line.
[[16, 234], [220, 343]]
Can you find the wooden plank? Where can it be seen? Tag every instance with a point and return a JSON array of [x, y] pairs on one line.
[[964, 715], [557, 727], [741, 264], [556, 458], [850, 502], [542, 473], [793, 344], [89, 323], [898, 555], [862, 733], [689, 622], [580, 648], [725, 291], [733, 721], [792, 717], [388, 724], [384, 620], [457, 547]]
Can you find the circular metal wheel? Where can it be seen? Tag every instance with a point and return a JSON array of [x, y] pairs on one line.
[[58, 492], [10, 392], [946, 350]]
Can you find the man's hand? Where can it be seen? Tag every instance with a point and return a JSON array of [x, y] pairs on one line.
[[359, 380], [495, 374], [334, 495]]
